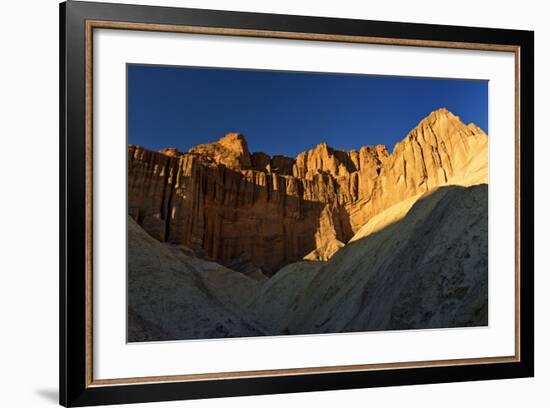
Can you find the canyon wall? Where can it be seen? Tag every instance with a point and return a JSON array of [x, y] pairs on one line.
[[426, 270], [241, 208]]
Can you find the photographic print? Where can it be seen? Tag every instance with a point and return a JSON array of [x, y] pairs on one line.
[[266, 203], [233, 183]]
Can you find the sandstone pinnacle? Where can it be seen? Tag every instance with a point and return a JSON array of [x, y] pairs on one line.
[[231, 151]]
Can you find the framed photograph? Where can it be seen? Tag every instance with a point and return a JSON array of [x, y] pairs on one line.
[[256, 204]]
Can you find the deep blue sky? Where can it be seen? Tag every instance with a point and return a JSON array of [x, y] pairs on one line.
[[288, 112]]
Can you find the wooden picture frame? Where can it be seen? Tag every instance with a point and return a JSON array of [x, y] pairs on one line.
[[78, 20]]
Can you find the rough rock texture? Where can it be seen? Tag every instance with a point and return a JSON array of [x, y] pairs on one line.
[[426, 270], [231, 151], [441, 150], [355, 241], [226, 203]]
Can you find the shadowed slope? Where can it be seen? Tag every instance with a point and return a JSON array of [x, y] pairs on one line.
[[173, 296], [428, 270]]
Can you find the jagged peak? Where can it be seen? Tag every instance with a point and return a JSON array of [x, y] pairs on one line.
[[171, 151], [325, 147], [320, 147], [233, 137], [230, 150], [379, 149], [439, 119], [440, 114], [235, 142]]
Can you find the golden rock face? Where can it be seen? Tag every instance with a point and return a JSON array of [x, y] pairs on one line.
[[226, 203]]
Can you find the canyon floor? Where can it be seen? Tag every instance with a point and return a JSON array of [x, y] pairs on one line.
[[227, 243]]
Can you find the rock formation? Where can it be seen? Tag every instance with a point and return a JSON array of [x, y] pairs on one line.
[[354, 241], [426, 270], [228, 204]]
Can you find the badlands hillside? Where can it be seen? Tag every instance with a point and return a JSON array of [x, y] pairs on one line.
[[223, 242]]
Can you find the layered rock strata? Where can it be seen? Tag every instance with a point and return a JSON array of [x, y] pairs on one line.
[[228, 204]]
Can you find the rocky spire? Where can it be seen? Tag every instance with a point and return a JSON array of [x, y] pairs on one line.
[[231, 151]]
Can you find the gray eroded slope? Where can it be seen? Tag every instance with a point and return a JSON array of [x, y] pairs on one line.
[[273, 303], [174, 296], [427, 270]]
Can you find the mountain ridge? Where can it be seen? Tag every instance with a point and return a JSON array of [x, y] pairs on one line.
[[236, 143], [226, 203]]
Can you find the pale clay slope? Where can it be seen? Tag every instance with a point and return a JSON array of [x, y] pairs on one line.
[[427, 270], [175, 296], [278, 301], [273, 301]]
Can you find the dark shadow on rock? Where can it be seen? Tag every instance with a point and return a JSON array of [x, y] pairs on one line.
[[223, 213], [423, 262], [432, 274]]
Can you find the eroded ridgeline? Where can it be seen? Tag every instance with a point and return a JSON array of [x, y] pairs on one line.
[[243, 208]]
